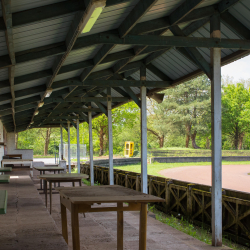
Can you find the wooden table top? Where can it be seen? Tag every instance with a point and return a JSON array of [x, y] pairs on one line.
[[63, 177], [49, 168], [16, 160], [4, 178], [6, 169], [105, 194]]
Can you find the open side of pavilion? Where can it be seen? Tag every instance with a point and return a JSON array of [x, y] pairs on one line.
[[66, 62]]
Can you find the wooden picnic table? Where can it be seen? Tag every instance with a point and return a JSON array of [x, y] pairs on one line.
[[80, 200], [60, 178], [54, 168], [19, 161], [4, 179]]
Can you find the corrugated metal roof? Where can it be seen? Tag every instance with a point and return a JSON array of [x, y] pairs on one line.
[[34, 66], [82, 54], [43, 33], [17, 5], [68, 75], [54, 30], [241, 11], [174, 64], [29, 84], [112, 17]]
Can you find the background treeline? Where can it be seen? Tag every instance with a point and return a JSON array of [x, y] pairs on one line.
[[183, 119]]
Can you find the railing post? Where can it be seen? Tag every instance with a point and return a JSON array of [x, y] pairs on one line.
[[189, 201], [167, 195], [91, 163], [150, 189], [126, 180]]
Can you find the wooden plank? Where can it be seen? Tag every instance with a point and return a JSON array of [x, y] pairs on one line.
[[65, 177], [6, 169]]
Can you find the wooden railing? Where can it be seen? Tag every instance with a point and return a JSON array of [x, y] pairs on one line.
[[188, 200]]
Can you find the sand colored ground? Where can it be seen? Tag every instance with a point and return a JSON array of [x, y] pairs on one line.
[[233, 176]]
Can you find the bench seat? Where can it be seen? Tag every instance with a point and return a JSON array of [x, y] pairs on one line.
[[3, 201], [6, 169], [4, 179]]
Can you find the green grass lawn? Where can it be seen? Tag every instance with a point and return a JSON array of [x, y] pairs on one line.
[[155, 168]]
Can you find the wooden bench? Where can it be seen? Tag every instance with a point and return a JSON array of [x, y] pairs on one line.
[[3, 201], [4, 179]]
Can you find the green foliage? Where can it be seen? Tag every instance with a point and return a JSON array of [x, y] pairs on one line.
[[235, 113]]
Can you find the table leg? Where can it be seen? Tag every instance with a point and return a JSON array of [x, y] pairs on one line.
[[64, 222], [43, 183], [40, 181], [75, 227], [45, 191], [73, 183], [143, 227], [119, 227], [54, 182], [58, 181], [80, 183], [50, 195]]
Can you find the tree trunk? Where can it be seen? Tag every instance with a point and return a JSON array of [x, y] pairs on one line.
[[193, 136], [101, 141], [208, 143], [161, 141], [236, 138], [241, 141], [188, 128], [47, 139]]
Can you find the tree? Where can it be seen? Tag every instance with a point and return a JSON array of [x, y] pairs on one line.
[[186, 107], [124, 115], [235, 113]]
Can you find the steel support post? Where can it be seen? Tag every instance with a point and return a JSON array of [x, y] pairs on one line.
[[144, 174], [69, 156], [110, 136], [91, 170], [78, 146], [61, 130], [215, 32]]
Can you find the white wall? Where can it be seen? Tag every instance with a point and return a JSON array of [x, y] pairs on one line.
[[27, 154]]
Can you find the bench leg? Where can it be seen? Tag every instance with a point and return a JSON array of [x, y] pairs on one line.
[[59, 181], [75, 227], [73, 183], [54, 182], [41, 181], [64, 222]]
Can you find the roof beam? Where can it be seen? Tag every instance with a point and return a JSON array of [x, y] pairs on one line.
[[236, 25], [7, 16], [149, 40], [116, 83], [88, 99], [183, 10], [135, 15], [44, 12], [81, 19], [133, 96], [226, 4], [158, 73], [194, 53]]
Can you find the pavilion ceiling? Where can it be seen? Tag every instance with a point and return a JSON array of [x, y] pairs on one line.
[[42, 48]]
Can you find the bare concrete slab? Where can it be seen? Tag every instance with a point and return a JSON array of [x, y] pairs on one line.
[[27, 223], [98, 231]]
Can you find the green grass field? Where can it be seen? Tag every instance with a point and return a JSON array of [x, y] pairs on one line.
[[155, 168]]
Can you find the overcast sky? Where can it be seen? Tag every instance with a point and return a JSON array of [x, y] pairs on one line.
[[238, 70]]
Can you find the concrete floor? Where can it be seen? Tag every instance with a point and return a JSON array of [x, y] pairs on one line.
[[28, 225]]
